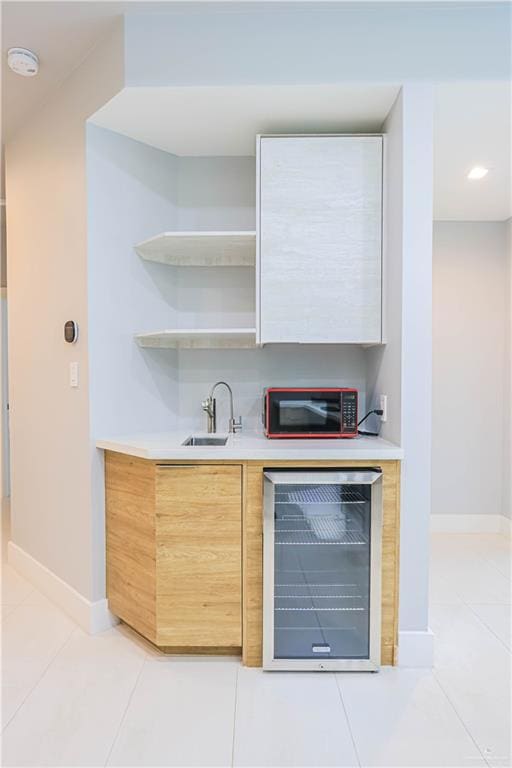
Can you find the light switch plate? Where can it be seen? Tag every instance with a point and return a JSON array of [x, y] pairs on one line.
[[73, 374]]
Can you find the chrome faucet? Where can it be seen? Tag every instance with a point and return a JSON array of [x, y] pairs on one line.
[[210, 407]]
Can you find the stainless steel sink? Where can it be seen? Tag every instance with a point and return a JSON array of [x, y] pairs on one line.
[[202, 440]]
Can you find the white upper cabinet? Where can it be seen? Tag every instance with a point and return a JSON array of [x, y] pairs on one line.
[[319, 239]]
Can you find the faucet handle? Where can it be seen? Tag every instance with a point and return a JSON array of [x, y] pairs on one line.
[[235, 424]]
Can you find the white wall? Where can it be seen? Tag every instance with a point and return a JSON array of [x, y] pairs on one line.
[[415, 200], [132, 195], [330, 43], [402, 369], [507, 449], [470, 363], [217, 193], [384, 364], [5, 489], [47, 277], [5, 485], [249, 371]]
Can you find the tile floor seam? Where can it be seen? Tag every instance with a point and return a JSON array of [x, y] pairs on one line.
[[234, 720], [487, 627], [466, 604], [125, 711], [482, 622], [479, 560], [349, 726], [458, 715], [489, 561], [456, 592], [14, 608], [496, 568], [30, 594], [39, 679], [21, 604]]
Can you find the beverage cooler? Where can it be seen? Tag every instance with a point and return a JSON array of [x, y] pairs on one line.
[[322, 569]]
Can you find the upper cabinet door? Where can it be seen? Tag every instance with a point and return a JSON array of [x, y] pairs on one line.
[[320, 239]]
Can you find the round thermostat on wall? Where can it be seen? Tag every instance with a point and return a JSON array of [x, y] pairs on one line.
[[71, 331]]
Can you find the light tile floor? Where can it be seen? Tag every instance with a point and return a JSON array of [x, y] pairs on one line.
[[74, 700]]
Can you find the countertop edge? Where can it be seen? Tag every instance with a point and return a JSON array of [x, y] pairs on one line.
[[269, 453]]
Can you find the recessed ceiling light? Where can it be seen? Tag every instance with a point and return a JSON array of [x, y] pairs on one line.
[[23, 62], [478, 172]]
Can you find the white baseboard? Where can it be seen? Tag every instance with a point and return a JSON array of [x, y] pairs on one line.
[[470, 524], [416, 648], [92, 617]]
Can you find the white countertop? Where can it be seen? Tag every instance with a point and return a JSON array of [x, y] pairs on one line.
[[250, 445]]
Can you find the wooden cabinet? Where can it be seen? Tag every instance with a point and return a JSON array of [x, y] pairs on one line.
[[319, 249], [198, 547], [174, 551]]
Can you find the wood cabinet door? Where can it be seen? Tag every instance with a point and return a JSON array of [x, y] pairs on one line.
[[199, 532], [320, 239]]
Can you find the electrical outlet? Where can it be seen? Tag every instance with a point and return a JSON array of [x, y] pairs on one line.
[[73, 374], [383, 406]]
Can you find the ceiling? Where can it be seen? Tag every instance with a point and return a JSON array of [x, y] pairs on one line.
[[174, 119], [62, 34], [472, 119], [472, 126]]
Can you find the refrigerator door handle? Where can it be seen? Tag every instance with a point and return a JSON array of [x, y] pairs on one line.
[[334, 477]]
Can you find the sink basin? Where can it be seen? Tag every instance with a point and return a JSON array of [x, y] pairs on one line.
[[202, 440]]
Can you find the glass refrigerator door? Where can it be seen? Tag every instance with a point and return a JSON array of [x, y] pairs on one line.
[[322, 550]]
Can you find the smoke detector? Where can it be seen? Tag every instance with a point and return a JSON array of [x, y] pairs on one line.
[[23, 62]]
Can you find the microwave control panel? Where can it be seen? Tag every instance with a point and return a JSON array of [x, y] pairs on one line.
[[349, 412]]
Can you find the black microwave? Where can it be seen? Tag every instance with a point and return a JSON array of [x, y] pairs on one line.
[[310, 412]]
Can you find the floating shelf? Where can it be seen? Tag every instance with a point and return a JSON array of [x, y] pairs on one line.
[[199, 338], [201, 249]]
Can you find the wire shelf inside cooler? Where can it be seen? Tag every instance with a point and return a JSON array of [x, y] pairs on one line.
[[319, 494], [312, 538], [320, 524], [340, 604], [287, 590], [334, 596]]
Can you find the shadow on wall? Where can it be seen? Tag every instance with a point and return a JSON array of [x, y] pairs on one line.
[[140, 162]]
